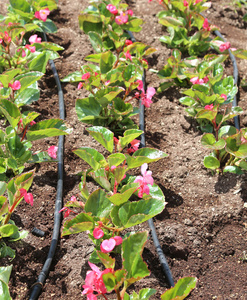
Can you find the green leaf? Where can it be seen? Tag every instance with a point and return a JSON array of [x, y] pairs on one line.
[[226, 131], [6, 251], [211, 162], [19, 235], [107, 60], [208, 140], [16, 147], [114, 281], [129, 136], [3, 186], [132, 248], [120, 198], [234, 147], [90, 22], [103, 135], [115, 159], [187, 101], [39, 62], [27, 96], [91, 156], [181, 289], [133, 213], [144, 155], [7, 230], [122, 108], [47, 128], [96, 41], [146, 293], [22, 5], [233, 169], [10, 111], [106, 260], [80, 223], [98, 204], [88, 110], [207, 114], [171, 22]]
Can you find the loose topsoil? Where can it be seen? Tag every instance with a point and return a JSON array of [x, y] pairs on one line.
[[202, 231]]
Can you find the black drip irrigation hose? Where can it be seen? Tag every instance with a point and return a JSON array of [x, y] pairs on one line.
[[38, 286], [162, 258]]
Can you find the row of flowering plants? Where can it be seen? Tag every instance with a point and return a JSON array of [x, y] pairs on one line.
[[196, 63], [23, 59], [119, 200]]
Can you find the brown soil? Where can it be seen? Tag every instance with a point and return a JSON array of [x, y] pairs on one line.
[[203, 228]]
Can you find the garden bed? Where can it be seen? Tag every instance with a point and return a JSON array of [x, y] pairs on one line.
[[202, 231]]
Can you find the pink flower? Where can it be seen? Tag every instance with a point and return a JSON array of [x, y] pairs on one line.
[[30, 48], [73, 199], [42, 14], [134, 146], [206, 25], [66, 210], [118, 240], [107, 82], [147, 98], [122, 18], [112, 9], [140, 86], [205, 79], [32, 123], [98, 233], [79, 85], [28, 197], [23, 54], [129, 12], [16, 85], [128, 55], [186, 3], [20, 127], [52, 152], [144, 180], [34, 39], [113, 168], [196, 80], [108, 245], [128, 42], [209, 107], [224, 46], [94, 282], [224, 96], [86, 76], [197, 1]]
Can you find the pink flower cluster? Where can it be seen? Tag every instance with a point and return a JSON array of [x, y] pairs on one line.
[[42, 14], [206, 25], [123, 17], [144, 180], [15, 86], [28, 197], [209, 107], [107, 245], [94, 282], [197, 80], [134, 146], [52, 152], [6, 38], [146, 98], [225, 46], [85, 76]]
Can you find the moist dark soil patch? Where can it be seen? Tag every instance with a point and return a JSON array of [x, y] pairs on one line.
[[202, 230]]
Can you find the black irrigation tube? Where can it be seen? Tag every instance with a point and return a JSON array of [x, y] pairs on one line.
[[162, 258], [38, 285]]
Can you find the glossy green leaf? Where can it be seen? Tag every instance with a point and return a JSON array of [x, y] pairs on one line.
[[22, 5], [133, 213], [39, 62], [132, 248], [88, 110], [181, 289], [234, 147], [90, 22], [10, 111], [129, 136], [120, 198], [98, 204], [226, 131], [91, 156], [106, 260], [233, 169], [7, 230], [115, 159], [144, 155], [16, 147], [47, 128], [211, 162], [80, 223], [4, 280], [103, 135], [114, 280], [3, 186], [208, 140], [107, 60], [96, 41], [27, 96]]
